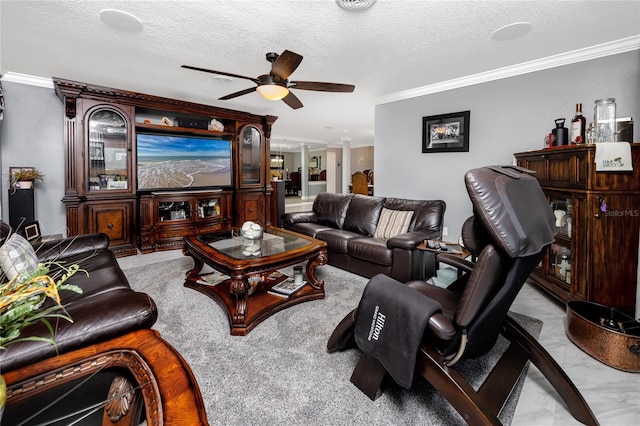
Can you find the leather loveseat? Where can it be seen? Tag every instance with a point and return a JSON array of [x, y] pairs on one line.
[[111, 337], [106, 308], [351, 226]]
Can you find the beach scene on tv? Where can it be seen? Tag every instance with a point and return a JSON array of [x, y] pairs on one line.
[[182, 162]]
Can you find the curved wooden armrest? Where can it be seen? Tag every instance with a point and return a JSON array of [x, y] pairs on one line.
[[169, 389]]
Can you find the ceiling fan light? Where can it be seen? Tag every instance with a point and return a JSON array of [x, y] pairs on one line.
[[272, 92]]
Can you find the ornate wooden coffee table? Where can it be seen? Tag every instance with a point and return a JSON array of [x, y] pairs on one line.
[[223, 252]]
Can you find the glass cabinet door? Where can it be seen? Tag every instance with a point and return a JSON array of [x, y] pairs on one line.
[[174, 210], [560, 263], [251, 156], [108, 151], [560, 258], [208, 208], [563, 212]]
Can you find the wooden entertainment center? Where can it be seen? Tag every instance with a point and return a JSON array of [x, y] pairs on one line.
[[101, 168]]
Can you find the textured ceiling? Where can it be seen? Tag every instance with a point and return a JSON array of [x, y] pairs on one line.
[[394, 46]]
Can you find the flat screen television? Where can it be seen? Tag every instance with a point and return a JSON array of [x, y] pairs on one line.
[[182, 162]]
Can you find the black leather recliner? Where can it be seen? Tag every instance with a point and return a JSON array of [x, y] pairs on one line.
[[508, 234]]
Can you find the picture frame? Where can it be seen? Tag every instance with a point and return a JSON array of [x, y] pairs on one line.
[[31, 231], [96, 151], [446, 132]]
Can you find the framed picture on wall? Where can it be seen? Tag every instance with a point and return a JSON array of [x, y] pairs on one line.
[[446, 132]]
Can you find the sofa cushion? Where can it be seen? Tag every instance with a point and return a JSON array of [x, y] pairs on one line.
[[428, 215], [77, 246], [307, 228], [331, 209], [96, 319], [17, 255], [372, 250], [363, 214], [337, 239], [393, 222], [99, 273]]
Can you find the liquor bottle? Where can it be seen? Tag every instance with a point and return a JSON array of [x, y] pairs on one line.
[[560, 134], [578, 126]]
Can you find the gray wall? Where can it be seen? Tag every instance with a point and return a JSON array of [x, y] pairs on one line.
[[32, 135], [507, 116]]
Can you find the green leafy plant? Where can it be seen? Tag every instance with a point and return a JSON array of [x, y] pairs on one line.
[[22, 301]]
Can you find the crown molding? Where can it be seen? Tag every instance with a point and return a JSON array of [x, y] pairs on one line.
[[31, 80], [580, 55]]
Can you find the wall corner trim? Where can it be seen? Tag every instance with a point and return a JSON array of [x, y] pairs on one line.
[[580, 55], [31, 80]]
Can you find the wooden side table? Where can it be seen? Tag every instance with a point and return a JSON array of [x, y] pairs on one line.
[[426, 262]]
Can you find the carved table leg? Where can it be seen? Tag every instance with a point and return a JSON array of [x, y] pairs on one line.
[[239, 289], [319, 260], [197, 267]]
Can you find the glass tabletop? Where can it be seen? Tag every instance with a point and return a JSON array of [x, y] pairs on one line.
[[274, 241]]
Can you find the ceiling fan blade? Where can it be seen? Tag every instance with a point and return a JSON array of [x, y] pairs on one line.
[[292, 100], [228, 74], [236, 94], [322, 87], [285, 64]]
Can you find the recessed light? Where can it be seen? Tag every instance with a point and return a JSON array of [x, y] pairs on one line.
[[121, 20], [355, 4], [511, 31]]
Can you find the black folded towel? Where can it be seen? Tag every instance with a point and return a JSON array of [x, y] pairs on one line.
[[390, 322]]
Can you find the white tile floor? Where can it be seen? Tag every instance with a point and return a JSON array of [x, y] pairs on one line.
[[614, 396]]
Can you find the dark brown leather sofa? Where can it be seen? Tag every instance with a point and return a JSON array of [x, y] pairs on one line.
[[107, 307], [347, 223], [110, 337]]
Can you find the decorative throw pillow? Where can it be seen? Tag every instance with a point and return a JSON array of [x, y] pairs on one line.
[[16, 254], [392, 223]]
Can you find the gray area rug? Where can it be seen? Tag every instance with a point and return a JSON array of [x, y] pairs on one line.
[[280, 373]]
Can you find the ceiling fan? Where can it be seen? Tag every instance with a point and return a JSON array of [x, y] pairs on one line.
[[275, 85]]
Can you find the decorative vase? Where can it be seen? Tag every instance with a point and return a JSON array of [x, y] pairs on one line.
[[25, 184], [251, 234]]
